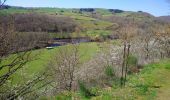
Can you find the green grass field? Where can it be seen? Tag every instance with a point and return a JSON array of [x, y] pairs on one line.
[[44, 56]]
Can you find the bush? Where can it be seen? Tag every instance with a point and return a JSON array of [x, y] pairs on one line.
[[84, 90], [132, 63], [113, 79], [64, 96], [132, 60], [142, 89], [109, 71]]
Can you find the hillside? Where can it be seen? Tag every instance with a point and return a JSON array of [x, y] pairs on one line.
[[89, 12], [92, 22], [164, 18], [83, 54], [152, 83]]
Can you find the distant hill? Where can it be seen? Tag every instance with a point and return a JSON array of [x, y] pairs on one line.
[[164, 18], [89, 10], [76, 13], [90, 21]]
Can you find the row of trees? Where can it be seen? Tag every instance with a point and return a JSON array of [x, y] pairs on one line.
[[21, 40], [148, 41], [33, 22]]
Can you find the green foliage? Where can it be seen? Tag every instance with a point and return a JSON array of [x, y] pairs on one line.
[[153, 94], [95, 90], [103, 11], [132, 64], [167, 65], [85, 92], [107, 96], [132, 60], [14, 10], [93, 33], [109, 71], [64, 96], [142, 89], [113, 80]]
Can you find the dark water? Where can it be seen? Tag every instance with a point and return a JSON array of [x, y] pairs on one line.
[[65, 41], [55, 45], [72, 40]]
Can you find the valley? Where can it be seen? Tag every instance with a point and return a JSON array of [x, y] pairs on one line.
[[83, 54]]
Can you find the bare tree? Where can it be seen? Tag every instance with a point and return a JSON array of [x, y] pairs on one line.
[[154, 39], [126, 32], [63, 67], [163, 39], [147, 38]]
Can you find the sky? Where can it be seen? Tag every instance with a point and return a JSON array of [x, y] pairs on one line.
[[155, 7]]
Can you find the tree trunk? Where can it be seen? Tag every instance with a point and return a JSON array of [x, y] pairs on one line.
[[127, 56], [123, 65]]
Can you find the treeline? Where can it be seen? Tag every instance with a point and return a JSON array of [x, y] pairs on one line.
[[31, 30], [116, 10], [33, 22], [13, 41]]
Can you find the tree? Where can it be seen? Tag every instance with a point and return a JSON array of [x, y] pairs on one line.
[[63, 67], [126, 31], [154, 40], [147, 38], [163, 39]]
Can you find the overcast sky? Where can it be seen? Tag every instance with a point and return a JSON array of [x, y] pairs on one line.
[[155, 7]]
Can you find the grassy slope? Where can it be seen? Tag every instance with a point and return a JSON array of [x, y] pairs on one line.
[[85, 21], [152, 83], [44, 56]]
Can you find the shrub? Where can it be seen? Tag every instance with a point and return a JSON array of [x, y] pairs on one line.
[[132, 63], [109, 71], [142, 89], [64, 96], [132, 60], [84, 90]]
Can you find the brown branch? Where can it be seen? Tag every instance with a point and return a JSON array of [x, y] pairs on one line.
[[25, 89], [2, 3], [6, 76]]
